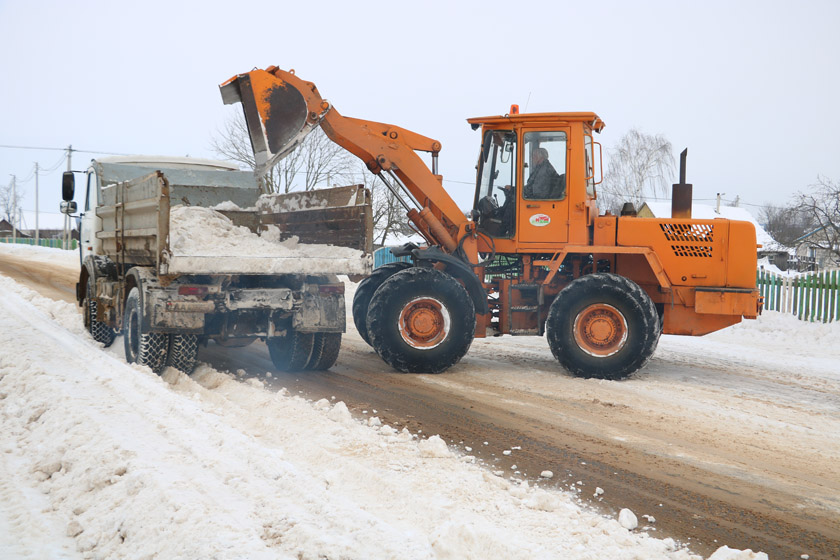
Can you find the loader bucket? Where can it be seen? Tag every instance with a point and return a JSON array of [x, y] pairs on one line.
[[275, 113]]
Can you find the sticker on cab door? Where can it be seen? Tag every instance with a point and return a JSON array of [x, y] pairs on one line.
[[539, 220]]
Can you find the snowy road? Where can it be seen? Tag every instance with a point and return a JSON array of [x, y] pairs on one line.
[[727, 439]]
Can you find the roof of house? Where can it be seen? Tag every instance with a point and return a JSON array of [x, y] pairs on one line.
[[7, 227]]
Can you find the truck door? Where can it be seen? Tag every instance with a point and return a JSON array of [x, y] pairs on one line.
[[89, 222], [543, 208]]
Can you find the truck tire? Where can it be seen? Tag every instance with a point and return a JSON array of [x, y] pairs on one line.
[[421, 320], [100, 331], [141, 346], [325, 349], [365, 291], [291, 352], [182, 352], [603, 326]]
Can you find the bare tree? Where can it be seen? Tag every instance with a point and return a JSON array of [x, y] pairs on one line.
[[785, 224], [821, 204], [10, 200], [317, 162], [389, 215], [640, 166]]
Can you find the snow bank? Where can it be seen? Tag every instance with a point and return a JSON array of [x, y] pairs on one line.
[[42, 254], [108, 460], [204, 240]]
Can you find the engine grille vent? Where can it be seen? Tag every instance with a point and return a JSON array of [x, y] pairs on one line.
[[689, 236], [692, 250], [689, 233]]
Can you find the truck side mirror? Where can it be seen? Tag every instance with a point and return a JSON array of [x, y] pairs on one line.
[[68, 207], [68, 185]]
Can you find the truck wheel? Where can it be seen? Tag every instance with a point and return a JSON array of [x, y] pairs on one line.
[[291, 352], [365, 291], [325, 349], [603, 326], [141, 346], [182, 351], [100, 331], [421, 320]]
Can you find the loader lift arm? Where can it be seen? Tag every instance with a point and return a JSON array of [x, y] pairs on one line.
[[281, 109]]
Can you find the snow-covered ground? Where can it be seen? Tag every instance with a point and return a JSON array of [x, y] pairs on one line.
[[100, 459]]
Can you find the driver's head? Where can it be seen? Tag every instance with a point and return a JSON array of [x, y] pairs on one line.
[[539, 155]]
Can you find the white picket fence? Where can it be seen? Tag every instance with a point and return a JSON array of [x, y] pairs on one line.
[[813, 296]]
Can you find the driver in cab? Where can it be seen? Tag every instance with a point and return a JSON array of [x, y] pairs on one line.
[[543, 181]]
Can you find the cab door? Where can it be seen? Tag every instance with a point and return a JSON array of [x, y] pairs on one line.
[[543, 211], [90, 222]]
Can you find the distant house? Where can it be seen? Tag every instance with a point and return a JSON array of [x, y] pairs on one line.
[[53, 233], [776, 253], [811, 252], [6, 230]]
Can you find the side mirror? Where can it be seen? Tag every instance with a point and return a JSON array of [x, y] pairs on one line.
[[68, 186], [68, 207]]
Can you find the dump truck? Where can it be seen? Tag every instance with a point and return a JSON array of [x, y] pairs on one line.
[[177, 252], [534, 256]]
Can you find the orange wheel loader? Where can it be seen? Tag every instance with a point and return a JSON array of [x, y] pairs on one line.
[[533, 256]]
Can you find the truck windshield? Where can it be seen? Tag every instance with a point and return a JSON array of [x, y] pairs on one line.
[[497, 165]]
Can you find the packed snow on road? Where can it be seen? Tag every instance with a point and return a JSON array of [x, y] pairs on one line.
[[101, 459]]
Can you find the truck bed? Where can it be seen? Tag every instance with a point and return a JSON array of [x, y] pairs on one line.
[[141, 228]]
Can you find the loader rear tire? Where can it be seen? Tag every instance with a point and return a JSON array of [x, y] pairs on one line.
[[325, 348], [182, 352], [603, 326], [292, 351], [365, 291], [100, 331], [421, 320], [141, 346]]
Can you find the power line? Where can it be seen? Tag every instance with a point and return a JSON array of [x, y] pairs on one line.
[[15, 147]]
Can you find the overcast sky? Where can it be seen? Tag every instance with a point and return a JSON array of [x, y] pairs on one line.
[[751, 88]]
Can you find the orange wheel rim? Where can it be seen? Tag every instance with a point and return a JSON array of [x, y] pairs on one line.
[[600, 330], [424, 323]]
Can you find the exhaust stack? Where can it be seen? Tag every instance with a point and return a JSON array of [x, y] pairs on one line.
[[681, 193]]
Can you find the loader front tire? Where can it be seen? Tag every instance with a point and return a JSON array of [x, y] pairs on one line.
[[141, 346], [365, 291], [100, 331], [292, 351], [603, 326], [421, 320]]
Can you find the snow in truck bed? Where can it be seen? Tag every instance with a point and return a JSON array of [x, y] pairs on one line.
[[205, 241]]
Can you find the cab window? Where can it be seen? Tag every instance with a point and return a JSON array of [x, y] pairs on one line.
[[545, 166], [91, 200], [495, 197]]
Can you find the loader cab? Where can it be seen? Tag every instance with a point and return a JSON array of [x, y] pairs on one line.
[[535, 174]]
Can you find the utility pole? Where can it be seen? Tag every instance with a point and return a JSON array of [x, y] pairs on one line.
[[14, 210], [37, 230], [717, 208]]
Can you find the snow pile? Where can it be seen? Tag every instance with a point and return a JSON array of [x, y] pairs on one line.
[[307, 200], [102, 459], [203, 240], [231, 206], [42, 254]]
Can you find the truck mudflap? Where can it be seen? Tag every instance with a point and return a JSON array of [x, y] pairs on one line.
[[322, 310]]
